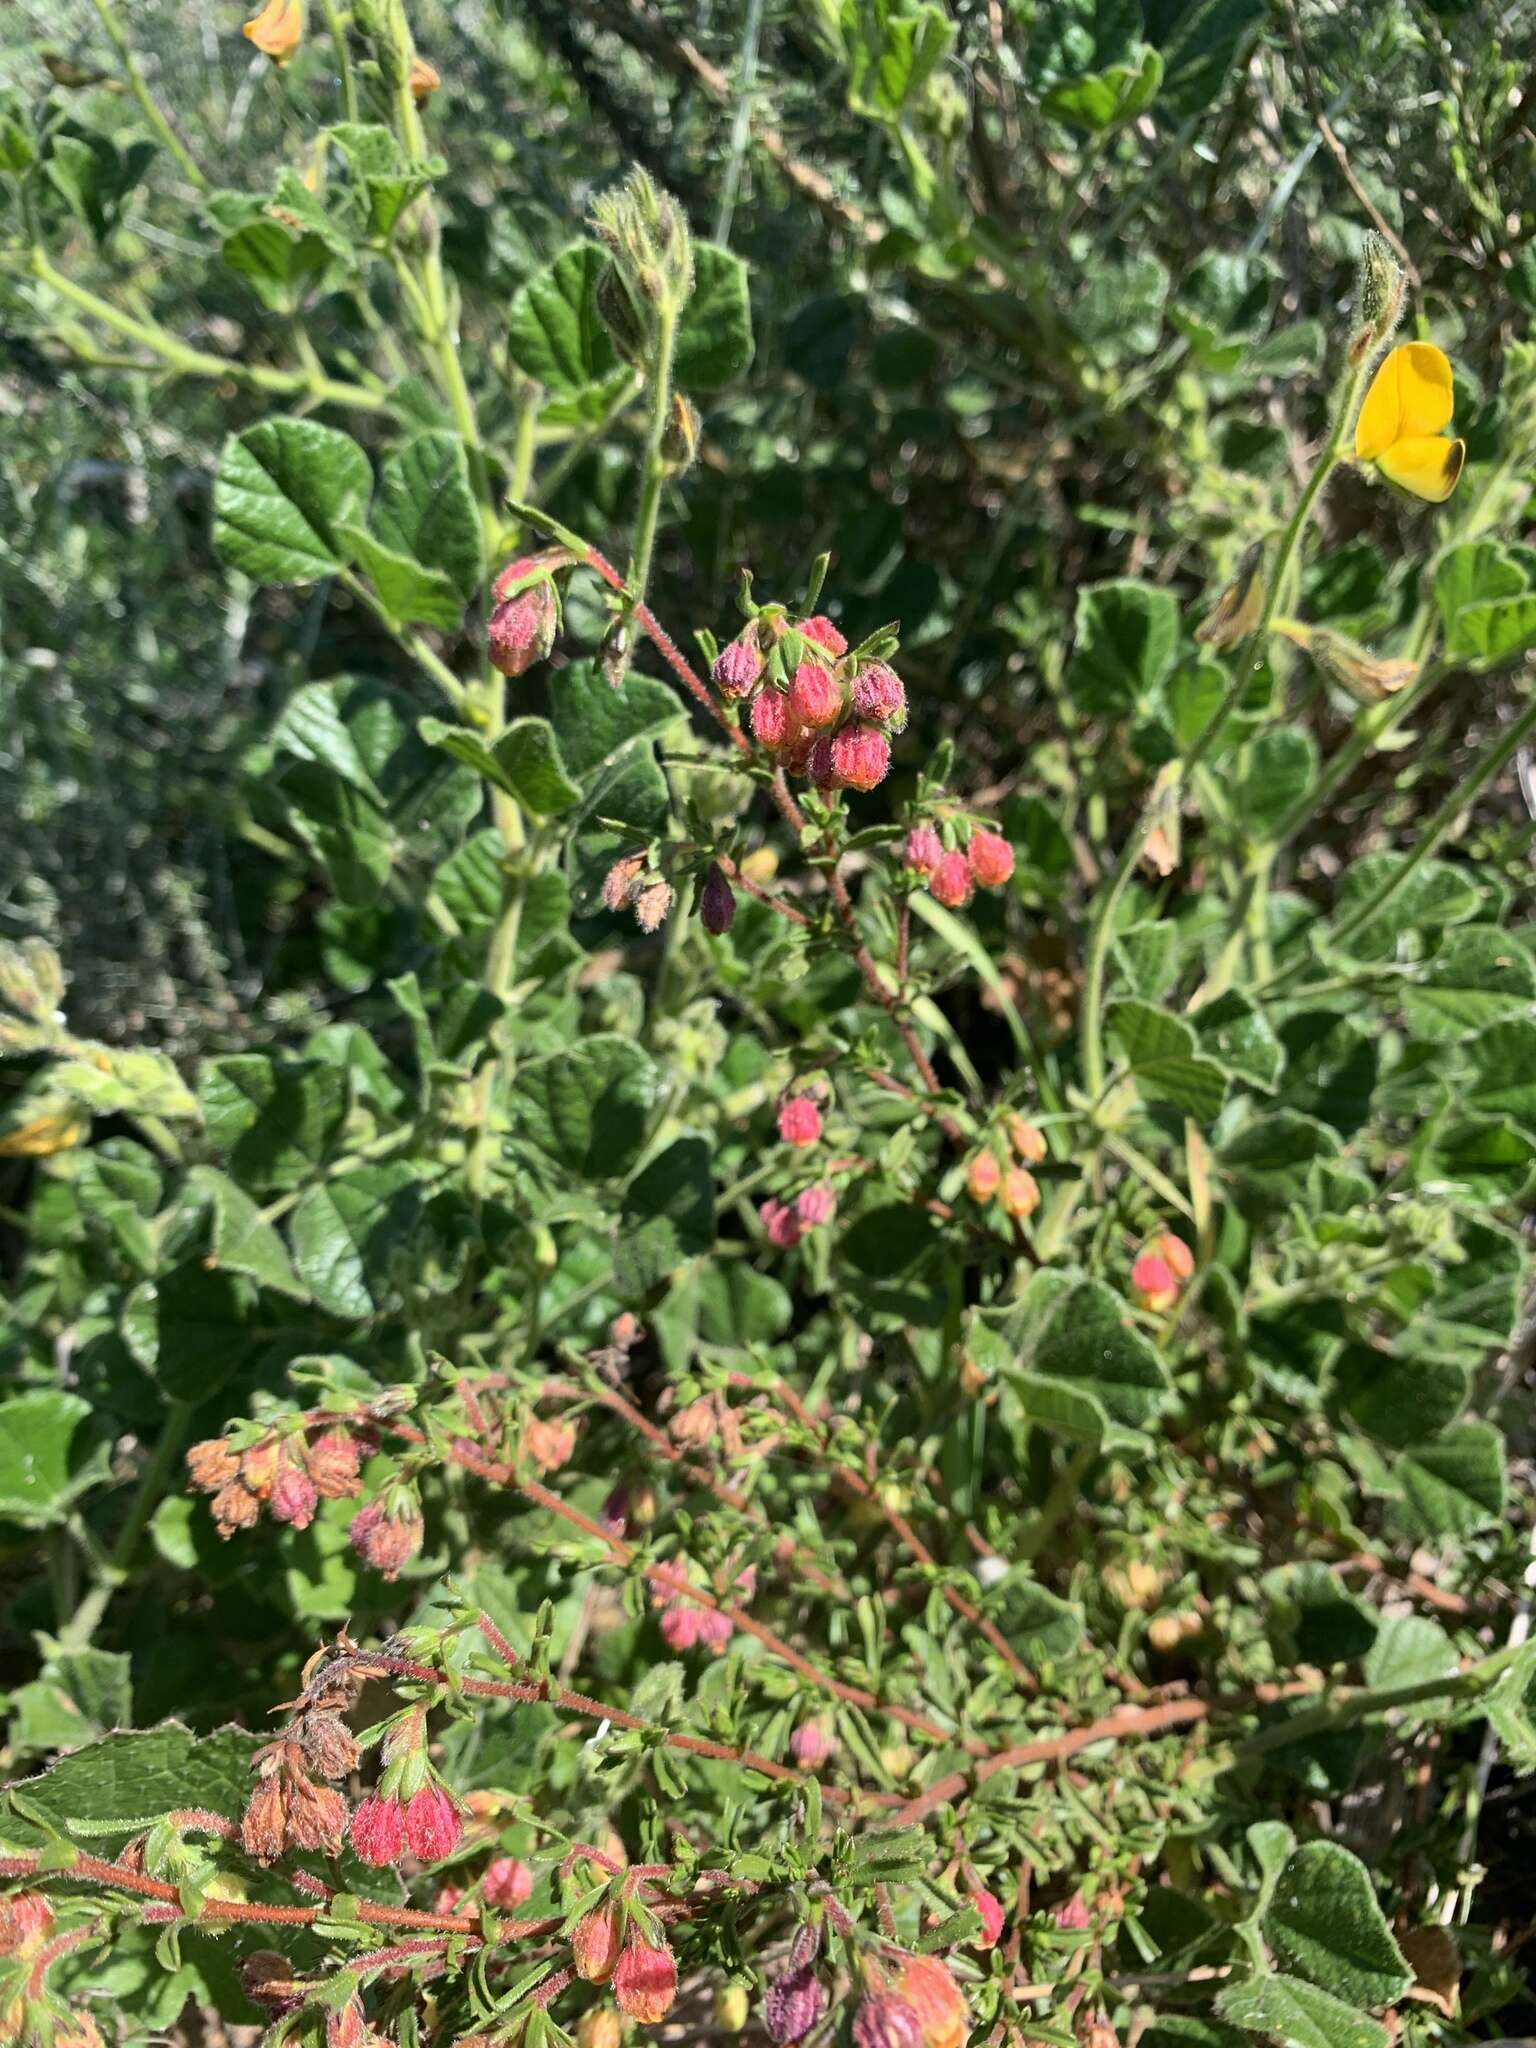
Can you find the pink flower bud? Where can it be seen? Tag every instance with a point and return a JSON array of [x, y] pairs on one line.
[[1020, 1193], [824, 634], [799, 1121], [26, 1919], [715, 1630], [680, 1626], [950, 881], [378, 1831], [815, 696], [432, 1824], [770, 719], [885, 2021], [294, 1498], [861, 757], [332, 1462], [924, 850], [983, 1176], [387, 1542], [820, 768], [879, 696], [645, 1982], [1175, 1254], [738, 666], [522, 629], [595, 1943], [993, 1919], [1153, 1285], [991, 859], [1073, 1916], [717, 903], [811, 1745], [782, 1224], [792, 2006], [814, 1205], [508, 1882]]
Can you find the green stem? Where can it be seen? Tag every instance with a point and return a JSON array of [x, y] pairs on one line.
[[192, 362], [1340, 765], [655, 473], [1464, 794], [338, 33], [138, 85], [111, 1572], [1353, 1704], [418, 648]]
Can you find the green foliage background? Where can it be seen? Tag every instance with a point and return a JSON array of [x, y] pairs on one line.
[[1029, 314]]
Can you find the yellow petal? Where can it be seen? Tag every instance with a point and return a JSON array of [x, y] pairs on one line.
[[424, 79], [278, 30], [55, 1131], [1428, 465], [1410, 394]]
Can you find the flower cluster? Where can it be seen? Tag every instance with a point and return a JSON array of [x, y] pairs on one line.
[[684, 1623], [1006, 1179], [952, 873], [826, 713], [288, 1471], [608, 1945], [787, 1222], [1159, 1274]]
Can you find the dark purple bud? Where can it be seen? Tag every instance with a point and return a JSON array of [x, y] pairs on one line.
[[717, 903], [792, 2006]]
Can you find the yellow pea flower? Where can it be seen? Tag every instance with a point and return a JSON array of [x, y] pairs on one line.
[[1402, 423], [278, 30], [424, 79]]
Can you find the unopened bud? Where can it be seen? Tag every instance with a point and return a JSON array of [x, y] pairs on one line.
[[1382, 284], [680, 436], [1368, 677], [717, 903], [1238, 609]]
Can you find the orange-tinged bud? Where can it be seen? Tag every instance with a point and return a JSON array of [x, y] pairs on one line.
[[595, 1943], [1020, 1192], [1027, 1140], [277, 30], [599, 2027], [25, 1919], [424, 79], [983, 1176], [925, 1983], [645, 1982]]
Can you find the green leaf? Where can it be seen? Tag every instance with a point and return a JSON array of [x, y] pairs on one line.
[[1324, 1922], [118, 1080], [1504, 1069], [346, 1232], [410, 594], [1486, 604], [596, 724], [1296, 2014], [714, 335], [525, 762], [1409, 1650], [1101, 100], [1433, 895], [1313, 1619], [1202, 43], [1127, 636], [1477, 977], [426, 509], [892, 56], [587, 1107], [1456, 1485], [243, 1240], [133, 1777], [669, 1216], [555, 333], [188, 1327], [1232, 1031], [374, 160], [50, 1453], [1160, 1050], [283, 488], [1089, 1343], [276, 1121], [1281, 769], [1401, 1400]]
